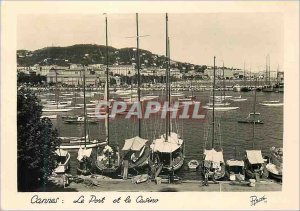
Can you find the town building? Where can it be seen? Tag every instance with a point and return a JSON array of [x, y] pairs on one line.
[[228, 73], [74, 77], [124, 70]]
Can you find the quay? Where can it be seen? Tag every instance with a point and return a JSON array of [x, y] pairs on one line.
[[120, 185]]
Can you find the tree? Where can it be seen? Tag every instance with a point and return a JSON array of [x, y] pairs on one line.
[[36, 142]]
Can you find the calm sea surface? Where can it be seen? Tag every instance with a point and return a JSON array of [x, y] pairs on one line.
[[235, 137]]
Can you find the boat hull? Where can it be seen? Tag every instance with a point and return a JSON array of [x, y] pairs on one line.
[[272, 104], [81, 145], [142, 161], [250, 122], [221, 108], [62, 168]]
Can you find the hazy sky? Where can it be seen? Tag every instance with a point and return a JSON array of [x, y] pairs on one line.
[[196, 38]]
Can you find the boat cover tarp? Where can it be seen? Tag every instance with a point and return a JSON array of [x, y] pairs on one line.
[[254, 156], [83, 152], [214, 156], [163, 146], [235, 163], [61, 152], [134, 144]]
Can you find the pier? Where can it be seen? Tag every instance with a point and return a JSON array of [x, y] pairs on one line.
[[111, 185]]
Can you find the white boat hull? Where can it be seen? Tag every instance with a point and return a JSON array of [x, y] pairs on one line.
[[238, 100], [272, 104], [56, 110], [221, 108], [77, 146], [63, 167], [49, 116]]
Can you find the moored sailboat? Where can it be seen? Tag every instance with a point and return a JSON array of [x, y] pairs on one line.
[[168, 150], [136, 151], [275, 163], [107, 159], [252, 117], [213, 161]]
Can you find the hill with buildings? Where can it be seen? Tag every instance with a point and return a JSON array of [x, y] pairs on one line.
[[88, 54]]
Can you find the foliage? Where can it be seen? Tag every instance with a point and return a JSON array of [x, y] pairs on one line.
[[36, 142], [30, 78]]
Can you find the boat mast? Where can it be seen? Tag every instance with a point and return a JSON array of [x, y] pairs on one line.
[[169, 93], [138, 70], [107, 84], [167, 79], [213, 114], [277, 74], [250, 75], [223, 82], [254, 113], [266, 69], [56, 91], [269, 82], [84, 108], [244, 75]]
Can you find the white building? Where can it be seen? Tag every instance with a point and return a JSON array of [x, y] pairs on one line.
[[228, 73], [74, 77], [125, 70]]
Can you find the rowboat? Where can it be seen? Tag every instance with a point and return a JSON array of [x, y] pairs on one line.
[[63, 161]]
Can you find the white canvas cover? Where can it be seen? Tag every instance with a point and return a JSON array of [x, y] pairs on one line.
[[214, 156], [83, 152], [161, 145], [61, 152], [134, 144], [235, 163], [254, 156]]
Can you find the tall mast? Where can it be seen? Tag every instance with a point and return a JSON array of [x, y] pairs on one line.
[[266, 69], [223, 82], [56, 91], [107, 84], [167, 79], [213, 114], [254, 113], [169, 82], [277, 75], [138, 68], [250, 74], [84, 108], [244, 75], [269, 71]]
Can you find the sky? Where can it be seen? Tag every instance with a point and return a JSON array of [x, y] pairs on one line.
[[196, 38]]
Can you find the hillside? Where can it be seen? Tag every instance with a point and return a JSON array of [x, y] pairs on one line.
[[94, 54]]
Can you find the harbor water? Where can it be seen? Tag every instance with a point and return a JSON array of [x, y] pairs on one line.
[[234, 137]]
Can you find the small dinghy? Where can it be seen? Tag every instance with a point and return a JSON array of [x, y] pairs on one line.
[[193, 164], [140, 178], [63, 159]]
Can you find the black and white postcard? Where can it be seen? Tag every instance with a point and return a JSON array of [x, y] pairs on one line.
[[108, 105]]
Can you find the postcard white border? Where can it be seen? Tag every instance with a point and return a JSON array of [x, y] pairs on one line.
[[288, 198]]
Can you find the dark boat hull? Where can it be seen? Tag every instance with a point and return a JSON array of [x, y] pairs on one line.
[[142, 160], [78, 122], [275, 176], [104, 169]]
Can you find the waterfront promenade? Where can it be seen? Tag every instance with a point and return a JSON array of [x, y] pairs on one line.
[[111, 185]]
